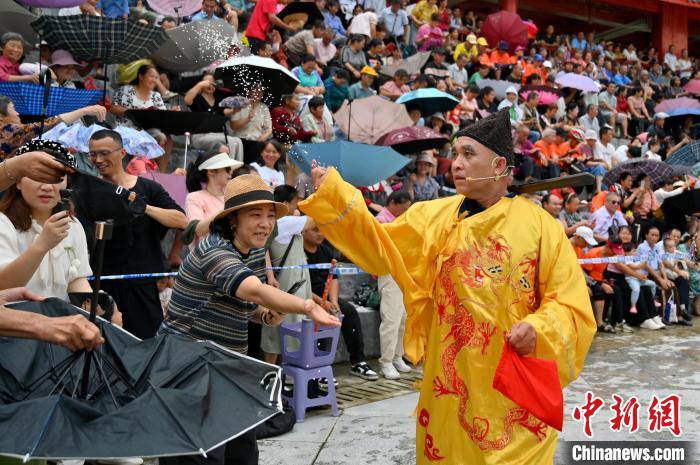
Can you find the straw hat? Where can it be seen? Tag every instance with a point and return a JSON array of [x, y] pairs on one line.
[[247, 190]]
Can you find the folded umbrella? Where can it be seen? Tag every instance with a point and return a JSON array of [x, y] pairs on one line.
[[429, 100], [178, 122], [175, 8], [577, 81], [165, 396], [28, 98], [499, 87], [138, 142], [506, 26], [693, 86], [688, 155], [412, 139], [366, 120], [240, 73], [351, 160], [98, 200], [546, 95], [658, 170], [412, 64], [109, 40], [671, 104], [195, 45], [14, 18]]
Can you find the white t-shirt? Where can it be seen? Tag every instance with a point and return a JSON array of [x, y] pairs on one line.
[[272, 177], [604, 152], [652, 156], [361, 24], [60, 266]]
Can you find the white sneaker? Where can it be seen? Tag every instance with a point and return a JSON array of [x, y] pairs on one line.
[[659, 323], [401, 366], [649, 324], [627, 328], [389, 372]]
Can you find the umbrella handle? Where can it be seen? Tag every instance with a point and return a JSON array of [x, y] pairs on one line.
[[45, 78], [187, 144]]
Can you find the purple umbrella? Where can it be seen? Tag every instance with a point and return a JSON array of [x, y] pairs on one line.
[[577, 81], [175, 7], [671, 104], [413, 139], [52, 3], [173, 184]]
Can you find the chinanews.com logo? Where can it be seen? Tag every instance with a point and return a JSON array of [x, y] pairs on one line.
[[657, 415]]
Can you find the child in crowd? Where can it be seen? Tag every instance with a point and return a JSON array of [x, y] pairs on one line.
[[639, 279]]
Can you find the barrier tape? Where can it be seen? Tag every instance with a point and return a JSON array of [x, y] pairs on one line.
[[353, 270]]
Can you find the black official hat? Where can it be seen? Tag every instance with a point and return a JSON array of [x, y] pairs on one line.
[[493, 132]]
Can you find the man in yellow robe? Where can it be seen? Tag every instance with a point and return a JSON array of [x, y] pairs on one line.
[[477, 270]]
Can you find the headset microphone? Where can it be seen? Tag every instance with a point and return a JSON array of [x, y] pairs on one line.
[[506, 172]]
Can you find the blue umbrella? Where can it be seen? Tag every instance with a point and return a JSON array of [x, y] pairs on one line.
[[429, 100], [687, 155], [358, 164], [683, 112], [77, 137], [28, 98]]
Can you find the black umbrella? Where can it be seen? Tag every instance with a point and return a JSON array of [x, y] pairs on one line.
[[169, 395], [178, 122], [109, 40], [240, 74], [658, 170], [16, 18], [98, 200]]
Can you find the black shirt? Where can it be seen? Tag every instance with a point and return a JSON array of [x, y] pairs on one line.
[[199, 104], [323, 254], [135, 247]]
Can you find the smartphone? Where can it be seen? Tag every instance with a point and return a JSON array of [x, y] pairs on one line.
[[641, 184], [64, 204], [295, 287]]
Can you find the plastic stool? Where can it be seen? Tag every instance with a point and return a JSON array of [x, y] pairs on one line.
[[300, 398]]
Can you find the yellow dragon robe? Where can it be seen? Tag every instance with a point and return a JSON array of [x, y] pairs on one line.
[[466, 280]]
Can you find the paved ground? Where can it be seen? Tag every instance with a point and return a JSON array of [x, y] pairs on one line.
[[644, 363]]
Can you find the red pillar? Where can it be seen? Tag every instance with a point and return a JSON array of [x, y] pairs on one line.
[[672, 28], [509, 5]]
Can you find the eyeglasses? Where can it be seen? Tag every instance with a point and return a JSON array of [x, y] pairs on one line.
[[102, 154], [614, 202]]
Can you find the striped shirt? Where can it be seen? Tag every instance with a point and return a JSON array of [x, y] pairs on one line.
[[204, 305]]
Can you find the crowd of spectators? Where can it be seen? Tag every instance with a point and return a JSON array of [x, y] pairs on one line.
[[340, 59]]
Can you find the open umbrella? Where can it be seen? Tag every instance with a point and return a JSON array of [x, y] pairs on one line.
[[178, 122], [546, 95], [351, 160], [577, 81], [366, 120], [14, 18], [429, 100], [300, 13], [659, 171], [173, 184], [175, 8], [507, 26], [109, 40], [672, 104], [240, 73], [693, 86], [28, 98], [412, 64], [688, 155], [412, 139], [499, 87], [195, 45], [164, 396]]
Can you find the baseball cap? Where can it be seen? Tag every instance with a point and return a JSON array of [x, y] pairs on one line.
[[577, 134], [586, 233], [538, 57], [590, 134], [369, 70], [503, 45], [481, 41], [547, 64], [661, 115], [471, 38], [511, 90]]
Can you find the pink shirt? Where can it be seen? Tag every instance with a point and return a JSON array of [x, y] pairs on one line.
[[7, 68], [393, 89], [201, 205]]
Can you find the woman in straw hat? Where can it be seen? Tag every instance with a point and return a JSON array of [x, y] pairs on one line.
[[220, 287]]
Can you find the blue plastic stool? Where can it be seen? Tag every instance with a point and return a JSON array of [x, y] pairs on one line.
[[307, 363]]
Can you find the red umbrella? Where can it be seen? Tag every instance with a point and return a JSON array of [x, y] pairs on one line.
[[507, 26], [531, 29], [547, 95], [412, 139]]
